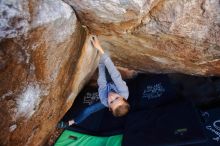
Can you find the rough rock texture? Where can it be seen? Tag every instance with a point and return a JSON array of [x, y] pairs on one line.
[[43, 65], [46, 57], [157, 35]]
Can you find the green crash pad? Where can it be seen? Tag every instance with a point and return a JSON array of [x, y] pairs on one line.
[[71, 138]]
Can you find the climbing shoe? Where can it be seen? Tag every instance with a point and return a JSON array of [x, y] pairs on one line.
[[62, 125]]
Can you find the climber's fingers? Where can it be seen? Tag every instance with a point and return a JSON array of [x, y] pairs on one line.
[[96, 44], [93, 40]]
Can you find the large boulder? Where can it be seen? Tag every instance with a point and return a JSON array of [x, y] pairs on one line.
[[157, 35], [44, 59]]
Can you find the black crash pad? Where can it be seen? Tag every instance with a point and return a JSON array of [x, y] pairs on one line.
[[152, 98], [211, 123], [173, 124], [159, 91]]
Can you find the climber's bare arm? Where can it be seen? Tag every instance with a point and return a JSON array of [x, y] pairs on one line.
[[96, 44]]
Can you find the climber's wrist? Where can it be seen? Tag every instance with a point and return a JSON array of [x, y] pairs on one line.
[[101, 50]]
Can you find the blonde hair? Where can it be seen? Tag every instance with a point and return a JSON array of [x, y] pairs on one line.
[[122, 109]]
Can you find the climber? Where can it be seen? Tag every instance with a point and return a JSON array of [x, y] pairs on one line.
[[113, 91]]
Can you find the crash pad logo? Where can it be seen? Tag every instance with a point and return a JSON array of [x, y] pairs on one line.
[[90, 98], [153, 91], [215, 128], [181, 131]]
